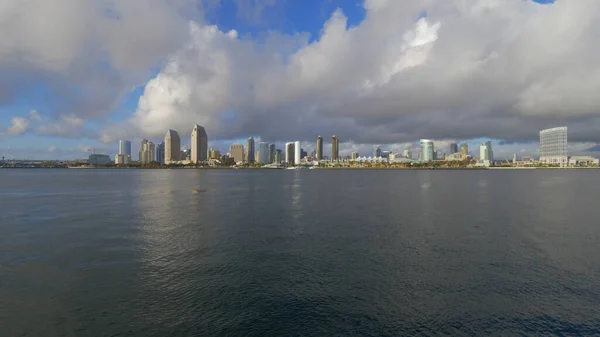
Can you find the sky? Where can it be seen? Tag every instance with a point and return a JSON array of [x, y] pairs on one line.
[[78, 75]]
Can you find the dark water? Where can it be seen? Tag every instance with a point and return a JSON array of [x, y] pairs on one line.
[[299, 253]]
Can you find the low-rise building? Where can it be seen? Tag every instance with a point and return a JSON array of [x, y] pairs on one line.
[[583, 161]]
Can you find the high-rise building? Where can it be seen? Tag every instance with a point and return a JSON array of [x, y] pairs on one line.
[[335, 148], [407, 154], [554, 146], [160, 153], [236, 151], [172, 146], [453, 148], [146, 152], [297, 153], [199, 144], [319, 148], [464, 149], [485, 152], [354, 155], [427, 150], [214, 154], [377, 152], [125, 147], [272, 153], [303, 154], [263, 153], [289, 153], [250, 150], [277, 159], [514, 158]]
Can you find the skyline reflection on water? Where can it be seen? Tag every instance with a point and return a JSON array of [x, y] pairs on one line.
[[303, 252]]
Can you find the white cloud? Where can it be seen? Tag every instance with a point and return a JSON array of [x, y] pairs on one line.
[[19, 126], [35, 115]]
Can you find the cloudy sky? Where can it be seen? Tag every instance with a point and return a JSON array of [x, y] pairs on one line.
[[82, 74]]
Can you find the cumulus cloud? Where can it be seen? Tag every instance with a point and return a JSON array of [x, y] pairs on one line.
[[87, 53], [19, 126], [411, 69]]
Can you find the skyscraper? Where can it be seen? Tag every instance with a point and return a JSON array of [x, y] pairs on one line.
[[335, 148], [277, 159], [464, 149], [485, 152], [263, 153], [297, 153], [377, 152], [453, 148], [554, 146], [319, 148], [236, 151], [172, 146], [427, 150], [199, 144], [289, 153], [214, 154], [160, 153], [272, 153], [250, 149], [354, 155], [125, 147], [146, 152]]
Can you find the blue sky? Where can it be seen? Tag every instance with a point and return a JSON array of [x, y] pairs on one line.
[[44, 92]]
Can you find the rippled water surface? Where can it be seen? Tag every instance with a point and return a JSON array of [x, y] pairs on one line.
[[299, 253]]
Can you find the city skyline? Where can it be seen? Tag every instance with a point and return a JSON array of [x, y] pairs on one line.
[[73, 101]]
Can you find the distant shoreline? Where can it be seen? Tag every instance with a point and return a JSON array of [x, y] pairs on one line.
[[319, 168]]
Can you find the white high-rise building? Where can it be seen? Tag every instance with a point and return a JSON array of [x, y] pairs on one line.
[[407, 154], [554, 146], [172, 146], [426, 150], [199, 144], [297, 153], [263, 153], [147, 151], [289, 153], [486, 155]]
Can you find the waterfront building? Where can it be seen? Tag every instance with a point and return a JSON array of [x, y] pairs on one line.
[[263, 153], [464, 149], [122, 159], [377, 152], [427, 148], [354, 155], [250, 150], [160, 153], [486, 155], [553, 146], [384, 154], [277, 159], [335, 148], [583, 161], [407, 154], [147, 150], [289, 153], [172, 147], [99, 159], [125, 147], [453, 148], [236, 151], [514, 158], [199, 150], [272, 153], [214, 154], [319, 153], [297, 152]]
